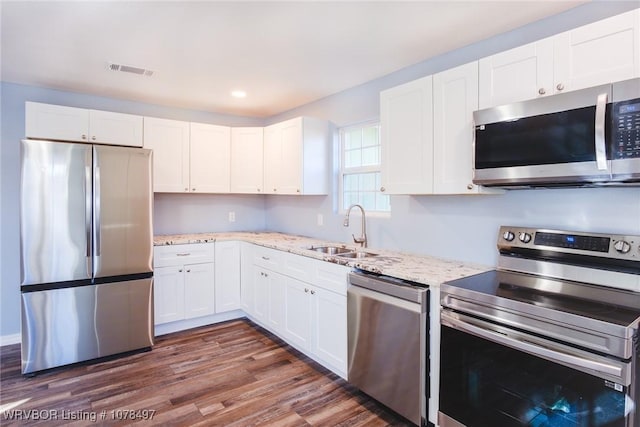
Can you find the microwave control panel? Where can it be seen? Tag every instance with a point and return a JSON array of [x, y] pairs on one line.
[[626, 129]]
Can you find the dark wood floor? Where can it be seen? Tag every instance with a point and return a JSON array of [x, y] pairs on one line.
[[230, 374]]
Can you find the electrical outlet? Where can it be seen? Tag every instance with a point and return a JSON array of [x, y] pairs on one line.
[[232, 216], [320, 220]]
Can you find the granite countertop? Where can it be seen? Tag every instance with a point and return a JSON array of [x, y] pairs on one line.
[[424, 269]]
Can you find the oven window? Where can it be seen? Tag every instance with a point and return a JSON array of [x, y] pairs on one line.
[[564, 137], [486, 384]]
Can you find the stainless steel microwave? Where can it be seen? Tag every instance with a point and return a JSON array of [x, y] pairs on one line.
[[581, 138]]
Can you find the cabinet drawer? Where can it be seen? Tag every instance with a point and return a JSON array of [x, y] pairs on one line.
[[332, 277], [300, 267], [267, 257], [183, 254]]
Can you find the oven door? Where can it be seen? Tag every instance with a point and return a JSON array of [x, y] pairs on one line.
[[491, 375]]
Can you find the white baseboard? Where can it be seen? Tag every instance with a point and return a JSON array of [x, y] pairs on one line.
[[181, 325], [10, 339]]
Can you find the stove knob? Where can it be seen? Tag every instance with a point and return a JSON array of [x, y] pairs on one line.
[[524, 237], [622, 246], [508, 236]]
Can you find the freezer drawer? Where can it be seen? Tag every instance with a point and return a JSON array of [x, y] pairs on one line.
[[69, 325]]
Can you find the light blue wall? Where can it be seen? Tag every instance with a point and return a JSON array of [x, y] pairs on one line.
[[174, 213]]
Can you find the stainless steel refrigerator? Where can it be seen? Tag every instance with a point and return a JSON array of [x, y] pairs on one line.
[[86, 252]]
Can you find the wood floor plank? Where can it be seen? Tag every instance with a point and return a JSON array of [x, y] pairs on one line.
[[229, 374]]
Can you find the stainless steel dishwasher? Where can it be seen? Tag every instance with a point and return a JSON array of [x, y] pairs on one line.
[[388, 342]]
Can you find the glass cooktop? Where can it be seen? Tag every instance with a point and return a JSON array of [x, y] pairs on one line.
[[609, 305]]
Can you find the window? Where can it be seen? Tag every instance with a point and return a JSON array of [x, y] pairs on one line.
[[360, 168]]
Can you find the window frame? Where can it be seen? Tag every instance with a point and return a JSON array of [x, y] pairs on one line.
[[358, 169]]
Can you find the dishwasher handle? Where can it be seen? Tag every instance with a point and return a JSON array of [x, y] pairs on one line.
[[397, 288]]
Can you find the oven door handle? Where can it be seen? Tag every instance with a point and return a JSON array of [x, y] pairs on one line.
[[582, 361]]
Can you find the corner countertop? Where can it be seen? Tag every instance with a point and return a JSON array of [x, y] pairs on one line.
[[423, 269]]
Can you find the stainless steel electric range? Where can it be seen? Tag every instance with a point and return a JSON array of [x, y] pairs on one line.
[[550, 338]]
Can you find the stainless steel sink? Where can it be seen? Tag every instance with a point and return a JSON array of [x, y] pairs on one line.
[[331, 250], [357, 255]]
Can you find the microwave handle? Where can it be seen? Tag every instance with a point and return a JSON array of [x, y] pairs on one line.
[[601, 150]]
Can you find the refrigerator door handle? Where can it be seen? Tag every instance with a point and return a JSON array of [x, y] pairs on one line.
[[96, 201], [88, 208]]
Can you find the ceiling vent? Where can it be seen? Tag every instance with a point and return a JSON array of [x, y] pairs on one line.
[[130, 69]]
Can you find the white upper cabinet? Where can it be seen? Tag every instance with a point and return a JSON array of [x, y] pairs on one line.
[[406, 122], [517, 74], [602, 52], [296, 154], [169, 140], [188, 157], [455, 98], [210, 158], [46, 121], [247, 160], [427, 134]]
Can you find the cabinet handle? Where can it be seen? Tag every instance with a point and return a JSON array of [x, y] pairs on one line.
[[306, 290], [262, 273], [541, 91], [469, 186], [188, 271], [258, 190], [84, 136], [186, 189], [266, 275], [297, 190], [93, 138], [382, 189], [184, 254], [266, 258], [193, 189], [313, 292], [275, 189], [180, 271], [560, 86]]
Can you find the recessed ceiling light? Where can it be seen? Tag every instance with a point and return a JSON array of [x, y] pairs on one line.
[[239, 94]]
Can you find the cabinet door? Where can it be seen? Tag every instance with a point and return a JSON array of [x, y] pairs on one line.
[[599, 53], [290, 168], [297, 315], [210, 158], [272, 158], [169, 140], [329, 321], [247, 277], [115, 128], [247, 160], [168, 294], [260, 306], [525, 72], [227, 272], [455, 98], [46, 121], [275, 310], [406, 116], [198, 290]]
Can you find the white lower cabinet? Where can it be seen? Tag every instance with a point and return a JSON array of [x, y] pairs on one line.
[[227, 276], [198, 290], [168, 294], [307, 307], [184, 278]]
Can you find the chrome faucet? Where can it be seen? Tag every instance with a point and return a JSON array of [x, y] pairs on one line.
[[363, 238]]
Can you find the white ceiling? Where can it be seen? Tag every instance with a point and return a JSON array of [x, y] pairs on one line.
[[283, 54]]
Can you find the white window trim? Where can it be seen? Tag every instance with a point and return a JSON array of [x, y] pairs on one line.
[[361, 169]]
